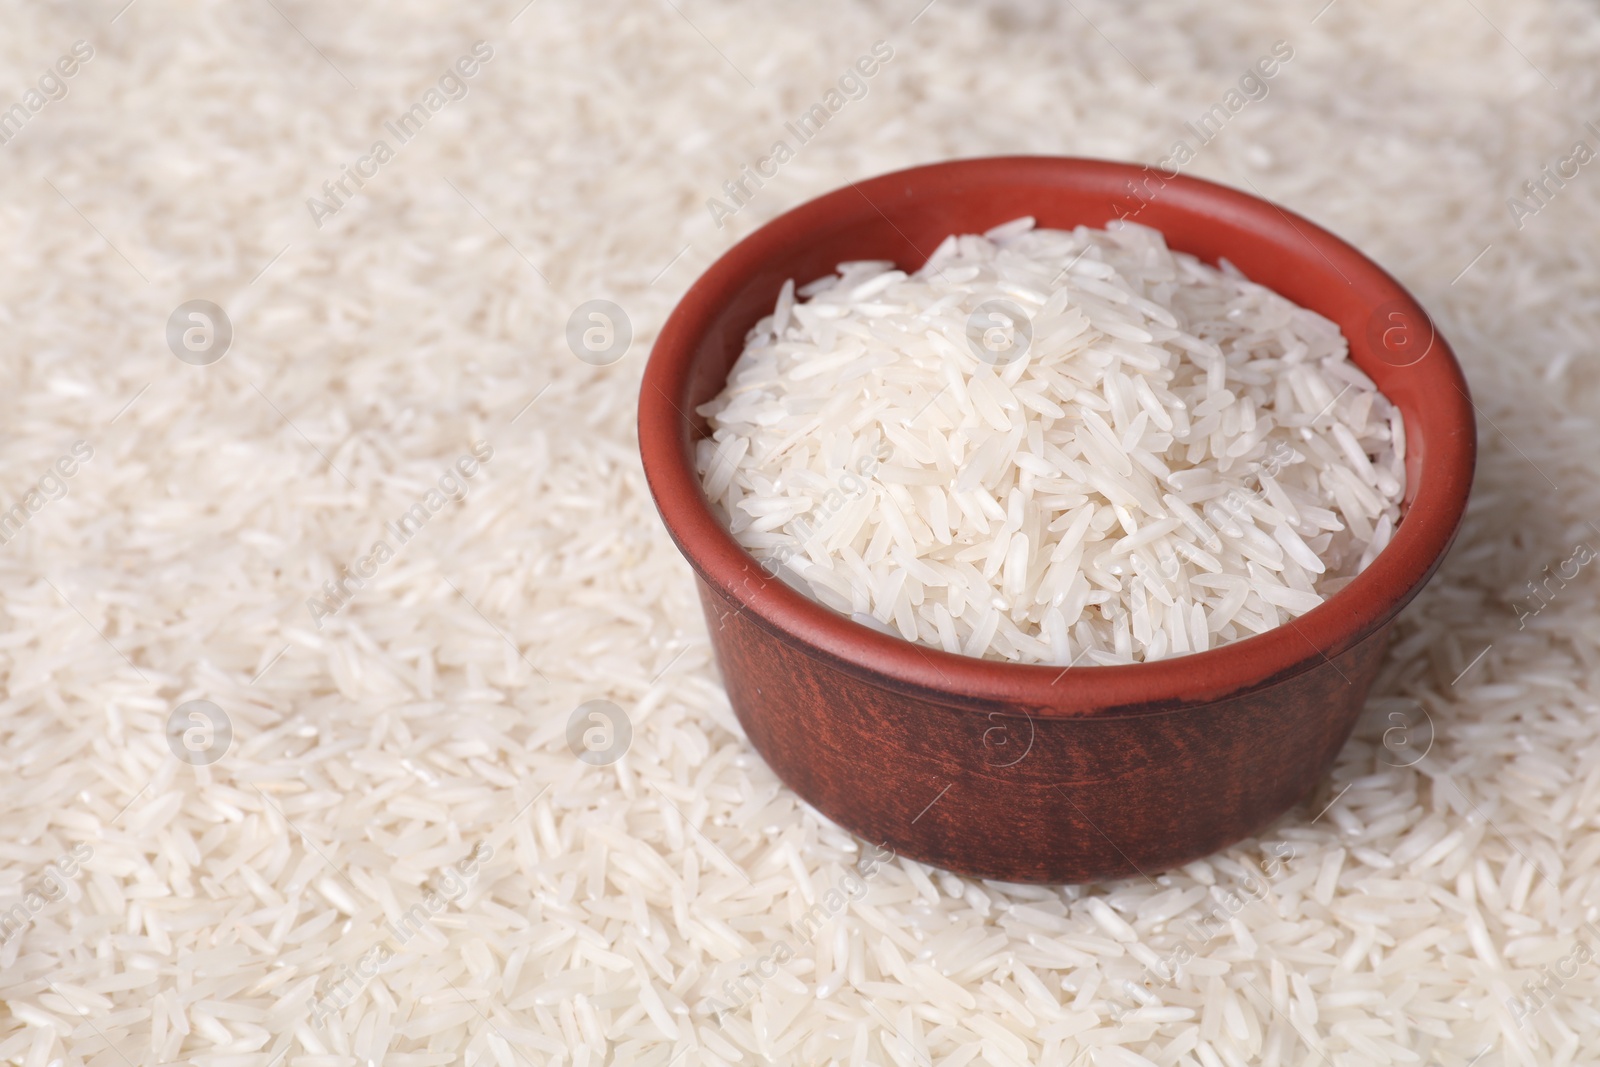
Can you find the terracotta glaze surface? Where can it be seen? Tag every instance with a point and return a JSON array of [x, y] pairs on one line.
[[1035, 773]]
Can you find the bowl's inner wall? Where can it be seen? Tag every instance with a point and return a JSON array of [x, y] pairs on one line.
[[902, 217], [891, 218]]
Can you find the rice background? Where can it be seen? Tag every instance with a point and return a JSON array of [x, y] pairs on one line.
[[1451, 858]]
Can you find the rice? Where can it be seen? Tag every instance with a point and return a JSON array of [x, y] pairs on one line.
[[201, 927], [1048, 447]]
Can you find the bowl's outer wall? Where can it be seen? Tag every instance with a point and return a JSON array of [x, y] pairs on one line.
[[1021, 798]]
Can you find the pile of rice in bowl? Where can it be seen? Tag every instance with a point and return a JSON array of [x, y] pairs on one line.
[[1054, 447]]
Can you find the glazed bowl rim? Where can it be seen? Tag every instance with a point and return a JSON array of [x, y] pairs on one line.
[[1352, 614]]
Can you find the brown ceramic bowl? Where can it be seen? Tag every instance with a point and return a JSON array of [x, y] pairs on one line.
[[1032, 773]]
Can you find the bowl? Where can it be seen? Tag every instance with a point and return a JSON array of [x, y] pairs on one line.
[[1034, 773]]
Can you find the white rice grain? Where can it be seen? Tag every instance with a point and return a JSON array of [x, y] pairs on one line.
[[1221, 426]]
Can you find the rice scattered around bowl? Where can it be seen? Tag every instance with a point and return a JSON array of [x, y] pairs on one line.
[[1054, 447]]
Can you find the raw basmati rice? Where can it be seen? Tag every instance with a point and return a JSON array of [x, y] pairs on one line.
[[203, 925], [1045, 446]]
